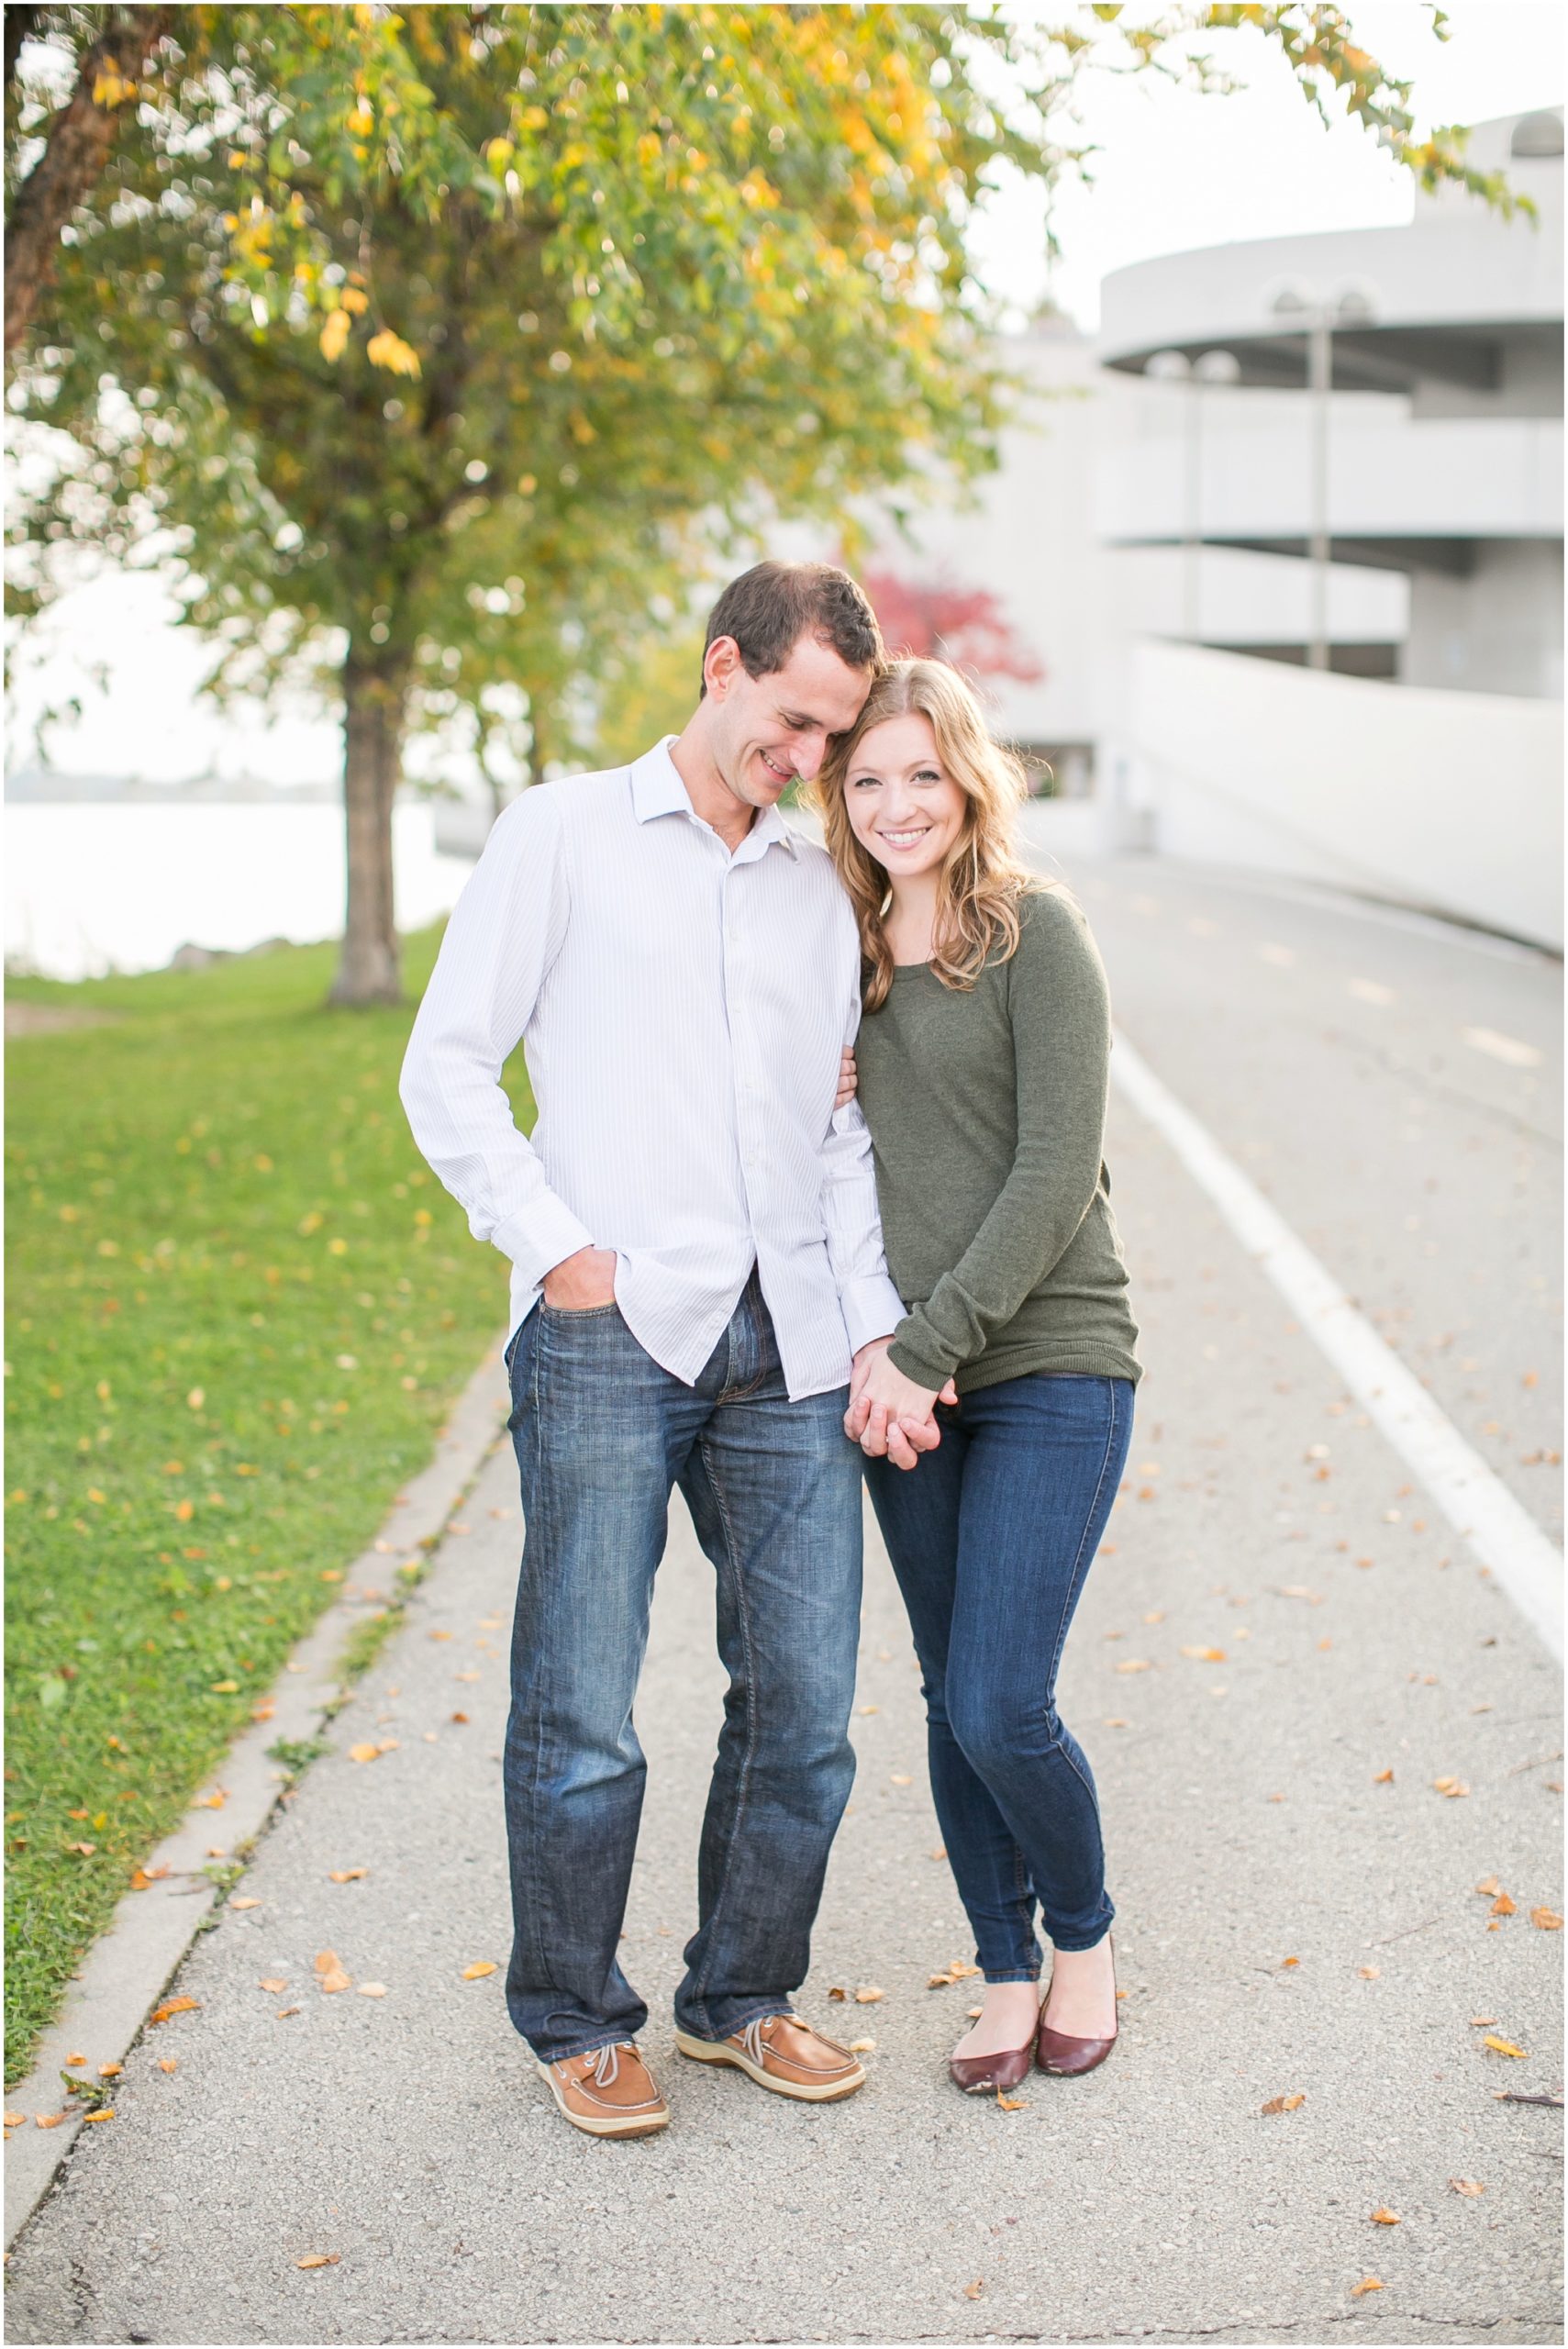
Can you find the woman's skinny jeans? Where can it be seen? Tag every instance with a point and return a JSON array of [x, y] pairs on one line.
[[991, 1537]]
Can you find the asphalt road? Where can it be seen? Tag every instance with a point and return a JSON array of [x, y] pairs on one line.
[[1294, 1921]]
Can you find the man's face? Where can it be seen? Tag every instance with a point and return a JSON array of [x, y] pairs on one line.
[[767, 731]]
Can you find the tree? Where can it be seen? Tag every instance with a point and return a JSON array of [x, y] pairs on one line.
[[426, 348], [938, 620]]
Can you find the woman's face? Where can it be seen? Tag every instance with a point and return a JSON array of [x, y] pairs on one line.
[[904, 808]]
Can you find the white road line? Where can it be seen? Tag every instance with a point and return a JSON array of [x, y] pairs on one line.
[[1500, 1530]]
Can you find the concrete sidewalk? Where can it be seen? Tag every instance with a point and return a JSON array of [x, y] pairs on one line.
[[1293, 1923]]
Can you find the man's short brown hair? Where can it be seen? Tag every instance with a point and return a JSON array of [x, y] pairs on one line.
[[769, 607]]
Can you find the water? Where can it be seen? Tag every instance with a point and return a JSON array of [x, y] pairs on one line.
[[104, 887]]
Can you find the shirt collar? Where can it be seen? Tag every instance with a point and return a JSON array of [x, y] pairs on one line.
[[656, 790]]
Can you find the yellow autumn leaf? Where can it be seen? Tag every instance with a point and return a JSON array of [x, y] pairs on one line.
[[364, 1751], [1546, 1920], [319, 2259], [335, 335], [1367, 2284], [389, 350], [1385, 2218], [1135, 1663], [477, 1971], [1504, 2047], [173, 2006], [1205, 1656], [867, 1995]]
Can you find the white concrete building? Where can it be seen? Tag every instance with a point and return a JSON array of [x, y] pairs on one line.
[[1152, 531]]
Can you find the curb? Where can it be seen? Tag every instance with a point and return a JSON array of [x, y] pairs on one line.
[[129, 1965]]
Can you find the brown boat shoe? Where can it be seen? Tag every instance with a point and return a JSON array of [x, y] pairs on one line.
[[783, 2052], [608, 2092]]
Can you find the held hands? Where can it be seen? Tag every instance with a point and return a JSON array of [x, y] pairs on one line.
[[849, 1079], [888, 1414], [581, 1282]]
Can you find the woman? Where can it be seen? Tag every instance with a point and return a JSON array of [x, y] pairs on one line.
[[983, 1062]]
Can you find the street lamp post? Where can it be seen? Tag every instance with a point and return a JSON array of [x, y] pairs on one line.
[[1320, 313], [1209, 368]]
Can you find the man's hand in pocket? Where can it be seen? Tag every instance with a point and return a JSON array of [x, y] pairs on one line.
[[580, 1283]]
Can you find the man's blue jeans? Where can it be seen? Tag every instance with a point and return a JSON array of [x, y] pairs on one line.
[[991, 1537], [601, 1435]]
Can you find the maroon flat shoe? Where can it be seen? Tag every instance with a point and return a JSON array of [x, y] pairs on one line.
[[980, 2074], [1066, 2057]]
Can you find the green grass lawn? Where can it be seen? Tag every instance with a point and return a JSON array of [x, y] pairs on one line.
[[238, 1305]]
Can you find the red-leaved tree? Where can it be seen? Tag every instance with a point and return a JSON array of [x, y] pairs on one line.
[[964, 626]]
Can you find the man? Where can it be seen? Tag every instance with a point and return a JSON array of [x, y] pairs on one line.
[[697, 1271]]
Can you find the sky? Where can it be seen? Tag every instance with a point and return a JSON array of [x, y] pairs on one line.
[[1175, 170]]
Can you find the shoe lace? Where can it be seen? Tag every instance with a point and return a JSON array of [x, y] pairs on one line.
[[753, 2038], [606, 2064]]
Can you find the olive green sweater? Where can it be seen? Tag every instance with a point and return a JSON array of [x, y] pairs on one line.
[[986, 1109]]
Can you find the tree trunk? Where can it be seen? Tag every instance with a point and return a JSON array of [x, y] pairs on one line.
[[76, 148], [374, 698]]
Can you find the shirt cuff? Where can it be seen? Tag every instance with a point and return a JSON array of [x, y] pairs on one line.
[[873, 1308], [540, 1236], [908, 1353]]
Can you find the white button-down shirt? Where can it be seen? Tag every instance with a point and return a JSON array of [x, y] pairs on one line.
[[683, 1008]]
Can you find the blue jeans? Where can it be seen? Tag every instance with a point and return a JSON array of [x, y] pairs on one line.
[[601, 1435], [992, 1537]]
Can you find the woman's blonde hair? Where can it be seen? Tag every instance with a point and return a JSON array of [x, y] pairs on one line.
[[983, 879]]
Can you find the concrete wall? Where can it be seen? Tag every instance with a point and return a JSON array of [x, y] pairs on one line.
[[1498, 629], [1450, 801]]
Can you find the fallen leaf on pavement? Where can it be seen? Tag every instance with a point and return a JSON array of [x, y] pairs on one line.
[[1284, 2103], [1481, 2023], [273, 1982], [901, 1779], [110, 2071], [838, 1994], [15, 2120], [1288, 1960], [76, 2059], [172, 2007], [859, 1708], [1501, 1907], [1382, 1778], [1471, 2185], [104, 2112], [213, 1801], [1367, 2284], [331, 1969], [168, 2063], [972, 2291], [1385, 2218], [372, 1989], [867, 1995], [346, 1875], [459, 1717], [1205, 1656], [480, 1967], [1489, 1886], [284, 2013], [1451, 1789], [1504, 2047], [1369, 1973], [319, 2259], [1546, 1920], [49, 2120], [1135, 1663], [243, 1900], [364, 1753], [862, 2047]]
